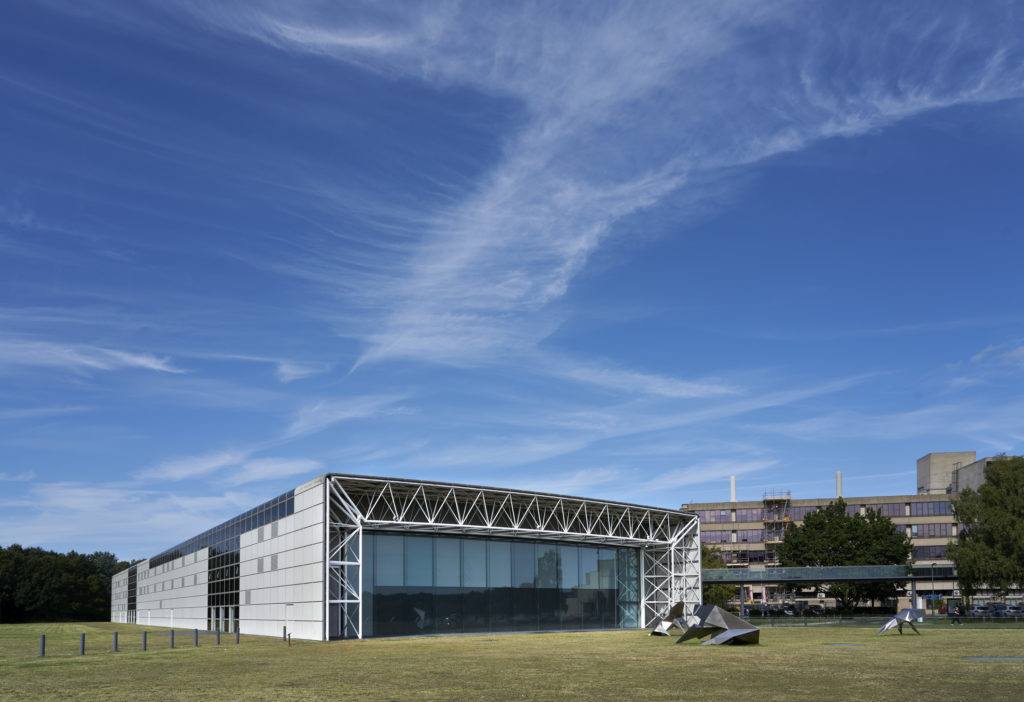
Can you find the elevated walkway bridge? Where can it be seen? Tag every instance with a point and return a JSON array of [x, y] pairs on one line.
[[826, 574]]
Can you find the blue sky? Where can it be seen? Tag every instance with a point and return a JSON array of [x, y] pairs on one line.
[[609, 249]]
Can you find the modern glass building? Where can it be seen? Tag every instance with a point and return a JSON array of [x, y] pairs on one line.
[[347, 556]]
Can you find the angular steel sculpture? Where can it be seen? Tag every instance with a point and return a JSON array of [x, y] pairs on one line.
[[674, 618], [727, 628], [906, 616]]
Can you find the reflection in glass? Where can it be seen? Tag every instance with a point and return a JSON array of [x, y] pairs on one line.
[[414, 584]]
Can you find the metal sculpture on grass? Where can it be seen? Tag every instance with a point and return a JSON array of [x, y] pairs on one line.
[[674, 618], [727, 628], [906, 616]]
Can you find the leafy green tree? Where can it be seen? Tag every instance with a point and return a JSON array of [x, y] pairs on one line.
[[831, 537], [39, 585], [720, 595], [990, 543]]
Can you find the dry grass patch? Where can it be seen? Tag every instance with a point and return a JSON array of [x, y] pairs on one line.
[[790, 664]]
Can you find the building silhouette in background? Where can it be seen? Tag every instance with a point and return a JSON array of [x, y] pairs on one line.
[[749, 533]]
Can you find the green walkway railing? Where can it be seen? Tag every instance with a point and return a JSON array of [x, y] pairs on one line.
[[824, 574]]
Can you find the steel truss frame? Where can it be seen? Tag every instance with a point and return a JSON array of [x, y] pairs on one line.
[[668, 540]]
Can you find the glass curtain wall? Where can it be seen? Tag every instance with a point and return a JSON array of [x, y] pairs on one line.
[[443, 584]]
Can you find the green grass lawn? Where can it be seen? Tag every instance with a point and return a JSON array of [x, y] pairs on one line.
[[793, 663]]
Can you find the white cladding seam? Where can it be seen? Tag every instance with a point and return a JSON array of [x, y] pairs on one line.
[[669, 540]]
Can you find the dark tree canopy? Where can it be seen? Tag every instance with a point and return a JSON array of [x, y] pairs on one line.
[[720, 595], [990, 543], [831, 537], [39, 585]]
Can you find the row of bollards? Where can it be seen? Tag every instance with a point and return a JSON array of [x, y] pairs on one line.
[[195, 641]]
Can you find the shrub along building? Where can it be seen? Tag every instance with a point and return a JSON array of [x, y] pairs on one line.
[[346, 556], [749, 533]]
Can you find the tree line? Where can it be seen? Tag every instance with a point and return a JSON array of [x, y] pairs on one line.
[[989, 549], [40, 585]]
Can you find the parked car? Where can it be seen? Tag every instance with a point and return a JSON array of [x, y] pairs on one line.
[[998, 609], [980, 611], [815, 610], [1013, 611]]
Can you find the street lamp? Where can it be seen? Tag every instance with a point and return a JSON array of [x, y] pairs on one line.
[[933, 590]]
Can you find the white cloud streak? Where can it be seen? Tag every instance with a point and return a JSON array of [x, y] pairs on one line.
[[22, 477], [628, 106], [194, 466], [39, 412], [320, 415], [261, 469], [78, 358], [53, 513]]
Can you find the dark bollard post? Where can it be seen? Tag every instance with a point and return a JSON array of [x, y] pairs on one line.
[[143, 641], [236, 637], [172, 638], [115, 642], [195, 637], [42, 644], [289, 640], [81, 645], [284, 634], [218, 637]]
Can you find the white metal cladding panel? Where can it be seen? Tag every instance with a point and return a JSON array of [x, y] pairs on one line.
[[309, 494], [173, 594], [119, 596], [297, 551]]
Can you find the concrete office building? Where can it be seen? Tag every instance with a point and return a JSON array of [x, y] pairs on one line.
[[749, 533], [346, 556], [935, 471]]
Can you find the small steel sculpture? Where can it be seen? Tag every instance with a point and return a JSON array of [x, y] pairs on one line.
[[906, 616], [727, 628], [674, 618]]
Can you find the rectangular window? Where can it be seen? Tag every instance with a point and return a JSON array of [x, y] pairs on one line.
[[523, 565], [589, 578], [547, 565], [890, 509], [419, 561], [273, 562], [447, 562], [259, 565], [499, 564], [273, 530], [929, 552], [569, 567], [474, 563], [930, 509], [715, 537], [389, 559]]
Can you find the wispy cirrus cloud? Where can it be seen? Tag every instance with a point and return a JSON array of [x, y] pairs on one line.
[[38, 412], [260, 469], [194, 466], [23, 477], [707, 471], [318, 416], [78, 357], [230, 467], [626, 107], [53, 513], [286, 370], [634, 382]]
